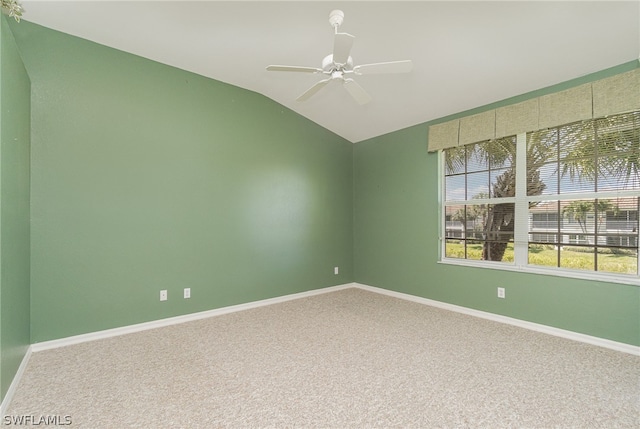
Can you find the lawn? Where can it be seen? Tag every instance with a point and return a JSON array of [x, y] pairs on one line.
[[547, 256]]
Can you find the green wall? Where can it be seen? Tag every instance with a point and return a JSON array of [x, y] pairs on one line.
[[146, 177], [14, 208], [396, 243]]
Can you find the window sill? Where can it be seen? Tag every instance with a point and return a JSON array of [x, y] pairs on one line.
[[558, 272]]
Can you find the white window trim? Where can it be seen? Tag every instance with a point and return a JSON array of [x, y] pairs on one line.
[[521, 235], [628, 279]]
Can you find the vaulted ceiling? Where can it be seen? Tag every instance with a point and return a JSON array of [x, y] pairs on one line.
[[465, 54]]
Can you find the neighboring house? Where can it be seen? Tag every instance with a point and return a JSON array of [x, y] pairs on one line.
[[616, 227]]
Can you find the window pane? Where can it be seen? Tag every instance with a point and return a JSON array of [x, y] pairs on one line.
[[574, 178], [621, 215], [618, 148], [472, 170], [498, 231], [576, 141], [578, 221], [543, 218], [543, 180], [479, 232], [454, 160], [587, 156], [503, 183], [618, 173], [542, 147], [577, 258], [543, 226], [618, 133], [454, 188], [598, 233], [476, 218], [618, 235], [545, 255], [577, 158], [454, 249], [454, 221], [620, 261], [474, 250], [477, 185], [542, 162], [477, 157], [502, 152]]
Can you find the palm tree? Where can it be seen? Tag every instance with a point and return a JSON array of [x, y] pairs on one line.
[[499, 226], [578, 211]]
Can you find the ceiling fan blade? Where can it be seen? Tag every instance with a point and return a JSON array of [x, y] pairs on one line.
[[313, 90], [342, 44], [356, 91], [389, 67], [294, 69]]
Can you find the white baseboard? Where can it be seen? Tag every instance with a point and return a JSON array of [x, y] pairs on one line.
[[108, 333], [575, 336], [14, 383], [613, 345]]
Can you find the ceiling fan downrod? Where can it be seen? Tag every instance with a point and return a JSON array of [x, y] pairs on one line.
[[336, 17]]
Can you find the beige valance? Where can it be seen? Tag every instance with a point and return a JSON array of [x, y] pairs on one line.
[[444, 135], [564, 107], [616, 94], [478, 127], [512, 119]]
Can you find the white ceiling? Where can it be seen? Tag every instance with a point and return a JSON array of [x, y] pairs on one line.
[[465, 54]]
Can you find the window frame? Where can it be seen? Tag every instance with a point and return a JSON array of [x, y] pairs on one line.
[[521, 233]]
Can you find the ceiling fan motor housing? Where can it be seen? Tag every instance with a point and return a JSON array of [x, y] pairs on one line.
[[329, 66]]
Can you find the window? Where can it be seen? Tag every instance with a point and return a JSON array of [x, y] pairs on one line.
[[563, 198], [479, 176]]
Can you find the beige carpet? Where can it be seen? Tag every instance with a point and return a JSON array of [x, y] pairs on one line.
[[346, 359]]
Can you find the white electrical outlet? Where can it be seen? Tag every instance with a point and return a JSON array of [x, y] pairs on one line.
[[336, 270], [501, 292], [187, 292], [163, 295]]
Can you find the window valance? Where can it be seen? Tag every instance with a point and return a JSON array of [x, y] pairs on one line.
[[615, 94]]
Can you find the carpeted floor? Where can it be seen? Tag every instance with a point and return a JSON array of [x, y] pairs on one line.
[[345, 359]]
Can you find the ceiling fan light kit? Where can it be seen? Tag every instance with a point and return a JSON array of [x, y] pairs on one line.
[[339, 63]]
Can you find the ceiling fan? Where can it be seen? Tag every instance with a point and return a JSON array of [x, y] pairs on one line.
[[339, 65]]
